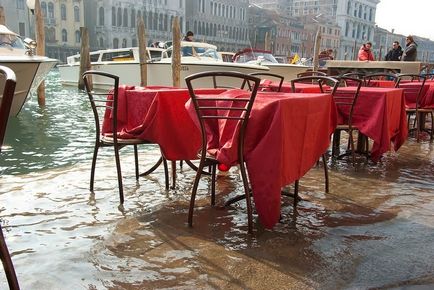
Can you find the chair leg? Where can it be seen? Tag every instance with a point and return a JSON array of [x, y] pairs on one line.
[[326, 173], [417, 126], [351, 141], [296, 193], [248, 197], [193, 193], [92, 170], [213, 179], [432, 127], [118, 168], [8, 266], [166, 172], [173, 165], [136, 161]]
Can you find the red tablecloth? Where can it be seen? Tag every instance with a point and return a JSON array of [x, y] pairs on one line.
[[380, 114], [427, 95], [286, 87], [286, 135], [382, 83]]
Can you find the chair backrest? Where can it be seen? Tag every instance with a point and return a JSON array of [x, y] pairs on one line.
[[311, 73], [413, 91], [8, 76], [346, 100], [215, 107], [103, 103], [267, 76], [380, 76], [325, 83]]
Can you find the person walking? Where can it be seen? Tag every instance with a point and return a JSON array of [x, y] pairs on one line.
[[395, 53], [410, 51], [365, 53]]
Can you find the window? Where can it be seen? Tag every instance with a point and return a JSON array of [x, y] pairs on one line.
[[101, 16], [101, 42], [134, 42], [77, 36], [133, 18], [125, 17], [44, 9], [124, 43], [64, 35], [113, 16], [115, 43], [20, 4], [76, 14], [63, 12], [22, 28], [50, 10], [119, 22]]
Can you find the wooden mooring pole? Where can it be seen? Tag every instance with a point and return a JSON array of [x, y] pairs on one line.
[[40, 48], [84, 57], [142, 52], [2, 16], [316, 50], [176, 71]]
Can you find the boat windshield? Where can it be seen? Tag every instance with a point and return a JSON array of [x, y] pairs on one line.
[[199, 51], [254, 56], [10, 40]]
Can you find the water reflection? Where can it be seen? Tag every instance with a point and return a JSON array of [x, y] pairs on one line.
[[373, 230]]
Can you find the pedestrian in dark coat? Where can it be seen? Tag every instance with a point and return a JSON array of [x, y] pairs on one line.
[[410, 51], [395, 53]]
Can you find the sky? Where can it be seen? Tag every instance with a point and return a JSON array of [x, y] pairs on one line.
[[407, 17]]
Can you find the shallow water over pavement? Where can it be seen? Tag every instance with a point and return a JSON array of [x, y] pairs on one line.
[[373, 230]]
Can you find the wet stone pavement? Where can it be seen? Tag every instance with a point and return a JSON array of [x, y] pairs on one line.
[[374, 230]]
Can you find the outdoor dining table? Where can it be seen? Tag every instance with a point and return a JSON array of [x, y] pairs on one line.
[[286, 87], [379, 114], [285, 136]]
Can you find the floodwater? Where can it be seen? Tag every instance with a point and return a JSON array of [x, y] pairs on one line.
[[374, 230]]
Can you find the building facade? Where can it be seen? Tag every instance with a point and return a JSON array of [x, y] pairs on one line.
[[18, 17], [223, 23]]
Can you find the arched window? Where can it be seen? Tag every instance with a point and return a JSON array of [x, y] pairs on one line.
[[50, 10], [160, 22], [119, 17], [181, 24], [63, 12], [44, 9], [113, 16], [77, 36], [134, 42], [124, 43], [76, 14], [171, 22], [47, 35], [206, 29], [64, 35], [195, 26], [166, 18], [101, 42], [115, 43], [150, 21], [155, 24], [199, 28], [125, 17], [101, 16], [133, 18]]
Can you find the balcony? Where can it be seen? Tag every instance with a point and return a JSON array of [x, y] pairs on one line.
[[50, 21]]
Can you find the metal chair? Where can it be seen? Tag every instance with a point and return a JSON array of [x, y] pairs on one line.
[[214, 108], [418, 111], [345, 101], [380, 76], [311, 73], [356, 75], [267, 76], [8, 76], [107, 103], [326, 84]]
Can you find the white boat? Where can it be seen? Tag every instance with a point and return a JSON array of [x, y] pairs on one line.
[[195, 57], [30, 70], [265, 58]]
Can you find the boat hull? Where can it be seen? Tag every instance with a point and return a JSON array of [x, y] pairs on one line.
[[159, 73], [29, 72]]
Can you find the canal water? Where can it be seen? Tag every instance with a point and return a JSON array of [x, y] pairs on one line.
[[374, 230]]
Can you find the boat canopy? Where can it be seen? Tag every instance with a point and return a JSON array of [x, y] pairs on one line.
[[10, 39], [253, 55]]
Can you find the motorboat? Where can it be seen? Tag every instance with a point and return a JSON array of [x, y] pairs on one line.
[[266, 58], [30, 69], [195, 57]]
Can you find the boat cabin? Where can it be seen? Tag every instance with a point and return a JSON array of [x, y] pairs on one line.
[[250, 55]]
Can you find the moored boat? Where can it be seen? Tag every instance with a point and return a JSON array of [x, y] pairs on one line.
[[195, 57], [265, 58], [30, 70]]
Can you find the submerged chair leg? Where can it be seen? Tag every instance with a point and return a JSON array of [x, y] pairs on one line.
[[136, 162], [213, 179], [248, 197], [193, 193], [92, 170], [7, 263], [326, 173], [118, 169]]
